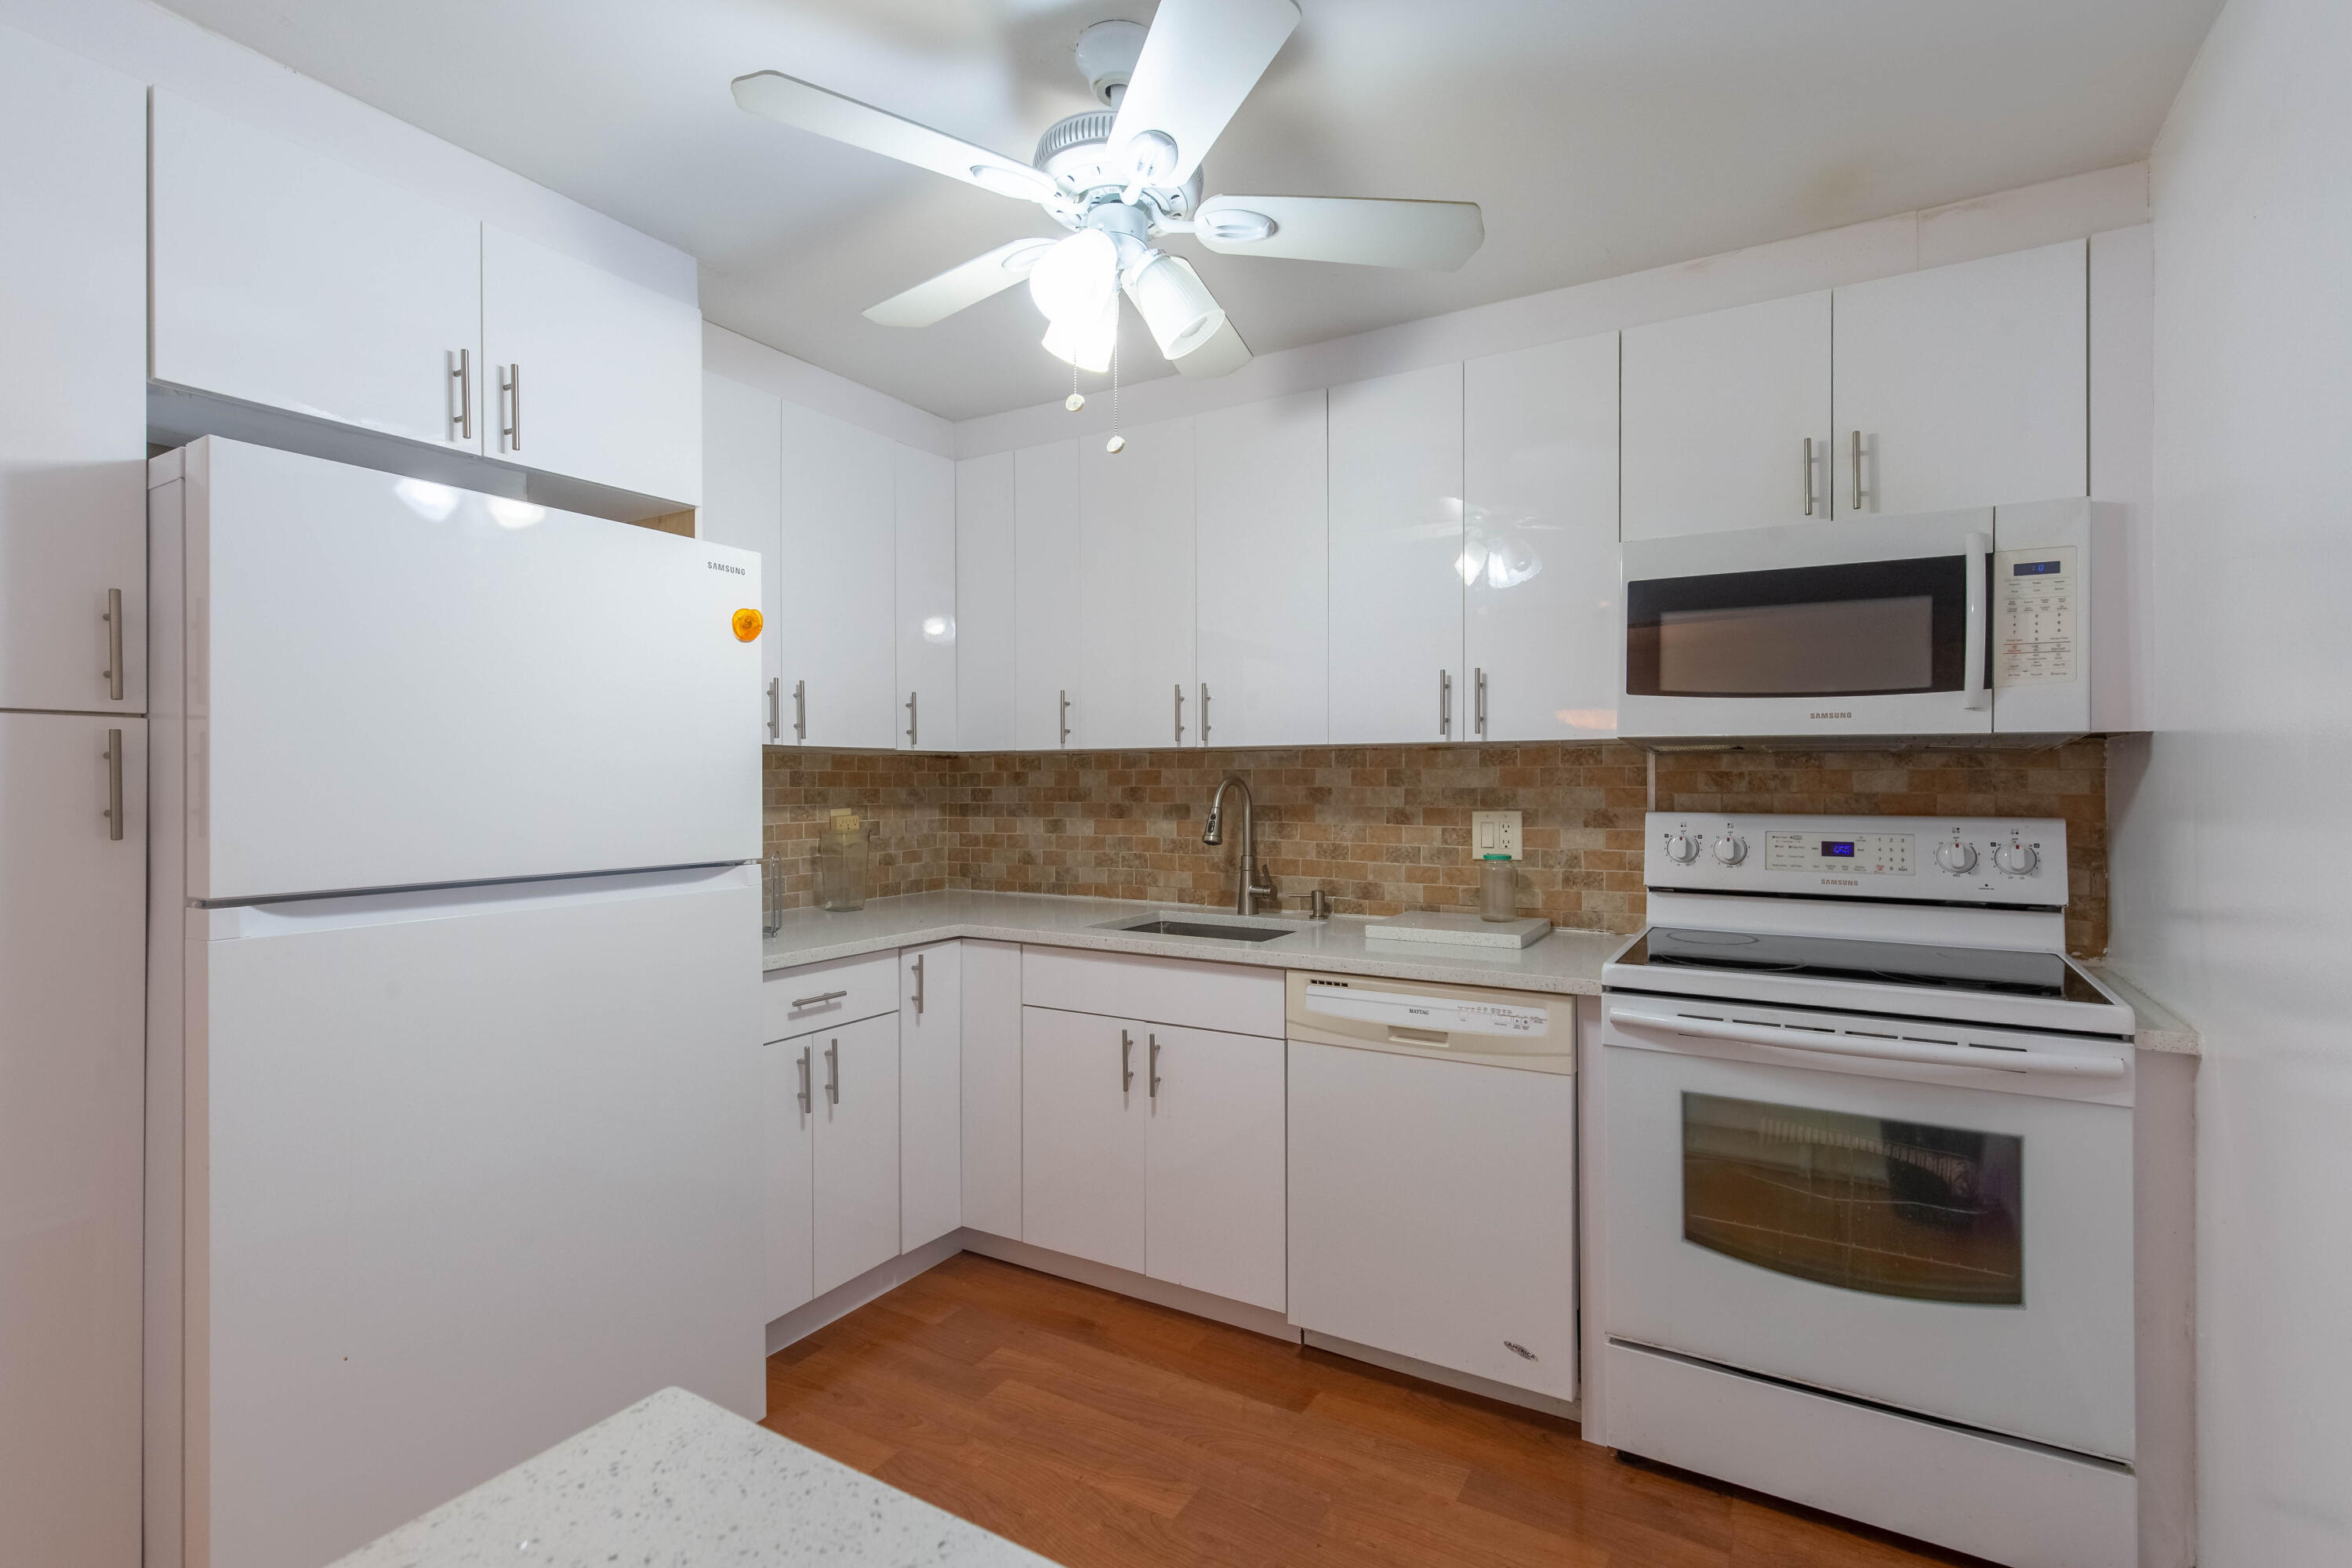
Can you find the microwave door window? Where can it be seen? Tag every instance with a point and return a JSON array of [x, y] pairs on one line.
[[1864, 628]]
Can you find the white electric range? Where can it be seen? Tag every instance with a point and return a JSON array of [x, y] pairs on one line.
[[1868, 1184]]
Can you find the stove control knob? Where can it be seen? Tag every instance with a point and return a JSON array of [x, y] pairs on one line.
[[2017, 859], [1682, 848], [1731, 850], [1959, 857]]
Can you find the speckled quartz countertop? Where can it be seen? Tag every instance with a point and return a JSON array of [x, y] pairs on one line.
[[678, 1482], [1567, 961]]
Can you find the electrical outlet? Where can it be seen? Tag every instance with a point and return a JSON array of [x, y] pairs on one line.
[[1494, 833]]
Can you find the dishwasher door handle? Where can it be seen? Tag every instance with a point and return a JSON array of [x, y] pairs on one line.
[[1925, 1052]]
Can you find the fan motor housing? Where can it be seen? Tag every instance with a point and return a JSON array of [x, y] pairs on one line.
[[1076, 150]]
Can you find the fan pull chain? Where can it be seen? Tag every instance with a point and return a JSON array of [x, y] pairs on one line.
[[1118, 443], [1077, 400]]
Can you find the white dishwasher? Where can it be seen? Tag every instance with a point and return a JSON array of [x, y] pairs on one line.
[[1433, 1177]]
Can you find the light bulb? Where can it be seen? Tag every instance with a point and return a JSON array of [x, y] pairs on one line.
[[1176, 305], [1075, 279], [1088, 345]]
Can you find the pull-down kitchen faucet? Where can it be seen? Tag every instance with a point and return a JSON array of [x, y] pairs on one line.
[[1250, 880]]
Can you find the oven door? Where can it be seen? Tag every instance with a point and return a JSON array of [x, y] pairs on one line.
[[1949, 1240], [1866, 628]]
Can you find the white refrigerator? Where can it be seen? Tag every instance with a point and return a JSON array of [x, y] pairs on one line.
[[453, 993]]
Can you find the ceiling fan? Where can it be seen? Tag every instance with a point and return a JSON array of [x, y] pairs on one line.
[[1121, 176]]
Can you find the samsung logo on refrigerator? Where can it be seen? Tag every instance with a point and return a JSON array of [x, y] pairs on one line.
[[722, 566]]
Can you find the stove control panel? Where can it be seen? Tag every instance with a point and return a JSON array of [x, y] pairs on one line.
[[1921, 860]]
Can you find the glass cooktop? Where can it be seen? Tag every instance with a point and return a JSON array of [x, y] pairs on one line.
[[1998, 970]]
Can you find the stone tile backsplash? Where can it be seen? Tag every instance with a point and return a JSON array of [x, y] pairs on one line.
[[1383, 829]]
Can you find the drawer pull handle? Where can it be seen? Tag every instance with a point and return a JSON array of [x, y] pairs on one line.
[[813, 1001]]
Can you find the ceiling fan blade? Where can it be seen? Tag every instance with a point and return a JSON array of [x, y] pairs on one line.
[[1437, 236], [937, 299], [1198, 61], [793, 102], [1221, 355]]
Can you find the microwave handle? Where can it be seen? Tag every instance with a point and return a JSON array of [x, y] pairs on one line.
[[1983, 1057], [1974, 692]]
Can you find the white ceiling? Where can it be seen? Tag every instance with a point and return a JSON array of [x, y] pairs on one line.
[[1601, 136]]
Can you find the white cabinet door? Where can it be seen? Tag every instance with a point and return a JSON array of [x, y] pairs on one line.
[[986, 605], [743, 505], [603, 377], [835, 650], [992, 1087], [1082, 1136], [1539, 436], [1396, 559], [857, 1093], [931, 1093], [73, 416], [926, 552], [789, 1086], [1262, 582], [1966, 386], [1718, 409], [1045, 551], [282, 278], [72, 1037], [1213, 1173], [1134, 589]]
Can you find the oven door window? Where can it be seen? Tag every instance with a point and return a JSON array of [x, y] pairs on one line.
[[1868, 628], [1894, 1208]]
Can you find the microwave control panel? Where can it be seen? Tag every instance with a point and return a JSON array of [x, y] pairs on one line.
[[2036, 615]]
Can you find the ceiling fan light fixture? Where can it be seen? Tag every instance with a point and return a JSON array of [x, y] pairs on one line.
[[1005, 180], [1075, 279], [1175, 304], [1235, 226], [1086, 343]]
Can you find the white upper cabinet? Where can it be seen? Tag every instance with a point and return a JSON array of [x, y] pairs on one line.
[[1539, 436], [589, 374], [73, 412], [926, 549], [1965, 386], [285, 278], [1046, 550], [1396, 559], [1718, 412], [1134, 589], [1263, 554], [987, 601], [743, 505], [836, 568]]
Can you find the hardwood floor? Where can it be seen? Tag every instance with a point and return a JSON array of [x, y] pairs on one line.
[[1105, 1432]]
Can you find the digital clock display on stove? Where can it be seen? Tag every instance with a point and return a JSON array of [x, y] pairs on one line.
[[1838, 848]]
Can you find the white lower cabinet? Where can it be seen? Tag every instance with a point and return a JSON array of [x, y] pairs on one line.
[[787, 1078], [1082, 1130], [930, 1092], [855, 1069], [991, 1041]]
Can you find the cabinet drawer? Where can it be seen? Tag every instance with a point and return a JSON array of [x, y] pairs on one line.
[[1155, 990], [823, 996]]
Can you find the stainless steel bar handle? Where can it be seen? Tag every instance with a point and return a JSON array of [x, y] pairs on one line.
[[800, 710], [833, 1072], [462, 373], [1180, 712], [1992, 1059], [1809, 476], [807, 1091], [1126, 1061], [1479, 705], [1446, 703], [775, 708], [1204, 713], [115, 785], [1152, 1068], [1974, 693], [918, 986], [822, 996], [113, 670], [510, 395], [1066, 717], [911, 723], [1857, 471]]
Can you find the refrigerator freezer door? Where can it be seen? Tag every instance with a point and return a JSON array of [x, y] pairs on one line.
[[392, 683], [463, 1177]]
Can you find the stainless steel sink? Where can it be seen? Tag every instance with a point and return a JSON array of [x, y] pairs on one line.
[[1162, 925]]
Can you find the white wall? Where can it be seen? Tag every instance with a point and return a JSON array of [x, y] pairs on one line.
[[155, 46], [2070, 208], [740, 359], [2225, 901]]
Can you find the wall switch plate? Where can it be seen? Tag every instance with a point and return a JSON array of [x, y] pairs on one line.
[[1495, 833]]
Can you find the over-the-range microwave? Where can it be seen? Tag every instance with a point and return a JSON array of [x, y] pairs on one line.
[[1997, 621]]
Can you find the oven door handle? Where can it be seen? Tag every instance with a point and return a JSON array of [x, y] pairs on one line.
[[1983, 1057], [1974, 693]]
